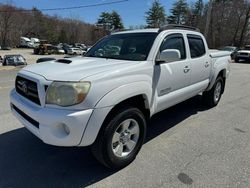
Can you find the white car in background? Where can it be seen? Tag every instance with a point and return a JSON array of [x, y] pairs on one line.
[[75, 51]]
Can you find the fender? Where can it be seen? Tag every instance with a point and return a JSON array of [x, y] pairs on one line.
[[126, 91], [219, 65], [108, 101]]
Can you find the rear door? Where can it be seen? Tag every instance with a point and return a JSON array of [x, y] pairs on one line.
[[199, 60]]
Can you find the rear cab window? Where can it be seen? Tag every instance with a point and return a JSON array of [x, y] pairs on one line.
[[196, 46]]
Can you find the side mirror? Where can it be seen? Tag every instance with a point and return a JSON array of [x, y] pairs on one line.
[[169, 55]]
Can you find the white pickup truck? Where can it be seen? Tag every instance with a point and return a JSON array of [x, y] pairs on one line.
[[105, 98]]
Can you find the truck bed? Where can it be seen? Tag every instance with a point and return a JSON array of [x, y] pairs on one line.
[[218, 53]]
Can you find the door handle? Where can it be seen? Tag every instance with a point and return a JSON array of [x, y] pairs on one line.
[[206, 65], [186, 69]]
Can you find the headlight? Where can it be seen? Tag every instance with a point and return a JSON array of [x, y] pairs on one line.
[[67, 93]]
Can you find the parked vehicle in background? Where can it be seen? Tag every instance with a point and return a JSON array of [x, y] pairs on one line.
[[81, 46], [44, 49], [25, 42], [5, 48], [58, 50], [232, 49], [105, 98], [14, 60], [65, 47], [44, 59], [35, 42], [75, 51], [243, 55]]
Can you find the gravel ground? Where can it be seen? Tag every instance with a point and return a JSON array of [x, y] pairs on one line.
[[187, 146]]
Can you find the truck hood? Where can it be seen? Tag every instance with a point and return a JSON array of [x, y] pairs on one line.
[[76, 69]]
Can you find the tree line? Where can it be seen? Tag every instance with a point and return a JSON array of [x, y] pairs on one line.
[[16, 22], [224, 22]]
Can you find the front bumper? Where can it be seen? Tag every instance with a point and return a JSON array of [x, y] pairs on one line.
[[242, 58], [53, 126]]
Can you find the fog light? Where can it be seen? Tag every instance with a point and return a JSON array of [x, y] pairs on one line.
[[66, 129], [60, 130]]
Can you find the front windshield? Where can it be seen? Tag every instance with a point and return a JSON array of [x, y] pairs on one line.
[[129, 46]]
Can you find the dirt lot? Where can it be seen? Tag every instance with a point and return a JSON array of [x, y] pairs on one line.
[[27, 54]]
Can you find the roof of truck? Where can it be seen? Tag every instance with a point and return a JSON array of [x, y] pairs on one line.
[[159, 30], [154, 30]]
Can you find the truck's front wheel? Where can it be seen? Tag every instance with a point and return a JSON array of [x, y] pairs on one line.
[[120, 139], [213, 96]]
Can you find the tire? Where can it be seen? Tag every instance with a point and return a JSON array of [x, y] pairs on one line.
[[111, 140], [236, 60], [213, 96]]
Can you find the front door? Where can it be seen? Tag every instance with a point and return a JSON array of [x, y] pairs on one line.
[[173, 76]]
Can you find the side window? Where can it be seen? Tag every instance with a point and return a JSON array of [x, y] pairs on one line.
[[196, 45], [174, 41]]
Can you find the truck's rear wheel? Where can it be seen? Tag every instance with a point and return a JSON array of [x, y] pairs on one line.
[[213, 96], [120, 139]]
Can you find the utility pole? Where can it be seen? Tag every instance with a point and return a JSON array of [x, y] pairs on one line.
[[209, 12]]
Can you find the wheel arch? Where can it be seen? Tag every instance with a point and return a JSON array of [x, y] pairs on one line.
[[107, 107], [223, 73], [125, 92]]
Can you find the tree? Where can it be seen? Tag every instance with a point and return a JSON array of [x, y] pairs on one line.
[[62, 38], [116, 20], [6, 22], [38, 18], [110, 21], [246, 24], [238, 14], [198, 8], [104, 20], [156, 16], [179, 13], [197, 12]]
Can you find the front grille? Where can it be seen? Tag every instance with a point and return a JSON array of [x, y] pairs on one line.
[[25, 116], [27, 89]]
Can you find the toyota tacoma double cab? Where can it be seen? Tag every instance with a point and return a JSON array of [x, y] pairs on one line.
[[105, 98]]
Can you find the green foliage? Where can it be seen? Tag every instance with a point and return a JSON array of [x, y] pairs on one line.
[[104, 18], [198, 8], [110, 21], [179, 12], [116, 20], [156, 16], [195, 14]]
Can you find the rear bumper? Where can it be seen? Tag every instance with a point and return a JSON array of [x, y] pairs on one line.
[[53, 126]]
